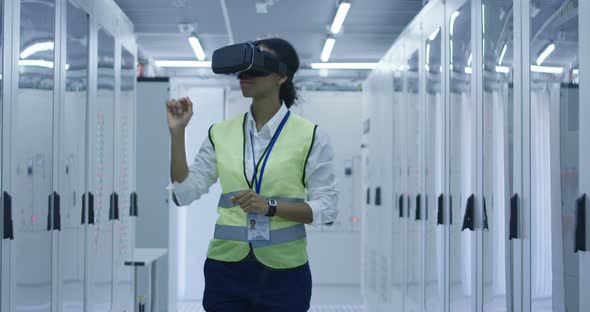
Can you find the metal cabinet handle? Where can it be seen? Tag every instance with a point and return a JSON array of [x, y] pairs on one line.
[[56, 211], [400, 205], [90, 208], [418, 207], [378, 196], [513, 233], [7, 207], [439, 210], [114, 207], [469, 218], [133, 205], [581, 224], [485, 216]]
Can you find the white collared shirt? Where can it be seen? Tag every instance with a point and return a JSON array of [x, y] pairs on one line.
[[320, 178]]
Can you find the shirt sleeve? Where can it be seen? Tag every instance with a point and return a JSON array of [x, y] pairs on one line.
[[320, 181], [202, 175]]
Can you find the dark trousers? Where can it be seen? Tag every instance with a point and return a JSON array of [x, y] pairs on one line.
[[249, 286]]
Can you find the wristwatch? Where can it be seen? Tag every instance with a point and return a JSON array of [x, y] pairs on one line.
[[272, 208]]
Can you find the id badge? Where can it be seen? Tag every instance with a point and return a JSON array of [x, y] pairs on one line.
[[258, 227]]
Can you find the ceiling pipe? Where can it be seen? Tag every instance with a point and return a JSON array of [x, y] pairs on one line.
[[230, 33]]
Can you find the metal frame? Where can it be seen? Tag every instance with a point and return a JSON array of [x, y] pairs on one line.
[[477, 90], [517, 245], [58, 99], [451, 7], [428, 27], [61, 46], [5, 132], [584, 169]]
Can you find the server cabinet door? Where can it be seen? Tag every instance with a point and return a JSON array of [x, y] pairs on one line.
[[414, 146], [584, 136], [124, 231], [554, 131], [99, 234], [72, 169], [366, 196], [434, 158], [498, 106], [462, 111], [371, 229], [4, 242], [397, 219], [31, 158], [383, 191]]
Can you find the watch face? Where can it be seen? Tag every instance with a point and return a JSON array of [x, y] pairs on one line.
[[273, 202]]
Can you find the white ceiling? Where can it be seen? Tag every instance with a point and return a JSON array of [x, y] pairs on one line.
[[369, 30]]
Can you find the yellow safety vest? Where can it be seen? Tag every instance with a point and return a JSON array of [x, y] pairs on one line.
[[284, 180]]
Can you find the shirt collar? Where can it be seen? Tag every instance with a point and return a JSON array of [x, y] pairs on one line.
[[272, 125]]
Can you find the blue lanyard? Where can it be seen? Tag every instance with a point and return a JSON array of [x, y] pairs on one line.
[[258, 181]]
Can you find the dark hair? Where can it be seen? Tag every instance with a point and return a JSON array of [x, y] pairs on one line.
[[286, 54]]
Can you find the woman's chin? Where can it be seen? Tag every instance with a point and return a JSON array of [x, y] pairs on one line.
[[247, 93]]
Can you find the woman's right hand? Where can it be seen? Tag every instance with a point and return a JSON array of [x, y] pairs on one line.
[[179, 114]]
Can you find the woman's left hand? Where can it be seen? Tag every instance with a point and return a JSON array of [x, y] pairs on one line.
[[250, 202]]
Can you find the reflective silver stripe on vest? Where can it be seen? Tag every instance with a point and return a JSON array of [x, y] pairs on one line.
[[279, 236], [225, 200]]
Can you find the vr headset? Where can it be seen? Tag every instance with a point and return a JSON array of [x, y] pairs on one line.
[[247, 59]]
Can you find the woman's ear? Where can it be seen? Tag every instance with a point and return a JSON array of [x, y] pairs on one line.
[[282, 80]]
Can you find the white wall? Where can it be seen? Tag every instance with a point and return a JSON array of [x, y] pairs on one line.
[[335, 251], [152, 176], [191, 227]]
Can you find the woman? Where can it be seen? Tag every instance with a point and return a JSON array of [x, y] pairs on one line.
[[268, 161]]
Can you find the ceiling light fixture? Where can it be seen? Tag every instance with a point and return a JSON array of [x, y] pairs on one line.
[[503, 54], [344, 65], [453, 18], [545, 54], [37, 47], [503, 69], [546, 69], [343, 9], [434, 34], [327, 51], [191, 64], [197, 48]]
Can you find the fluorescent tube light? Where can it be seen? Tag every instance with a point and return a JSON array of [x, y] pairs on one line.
[[503, 69], [545, 54], [37, 47], [197, 48], [340, 16], [503, 54], [546, 69], [327, 51], [37, 63], [434, 34], [344, 65], [470, 59], [453, 18], [483, 18], [196, 64]]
